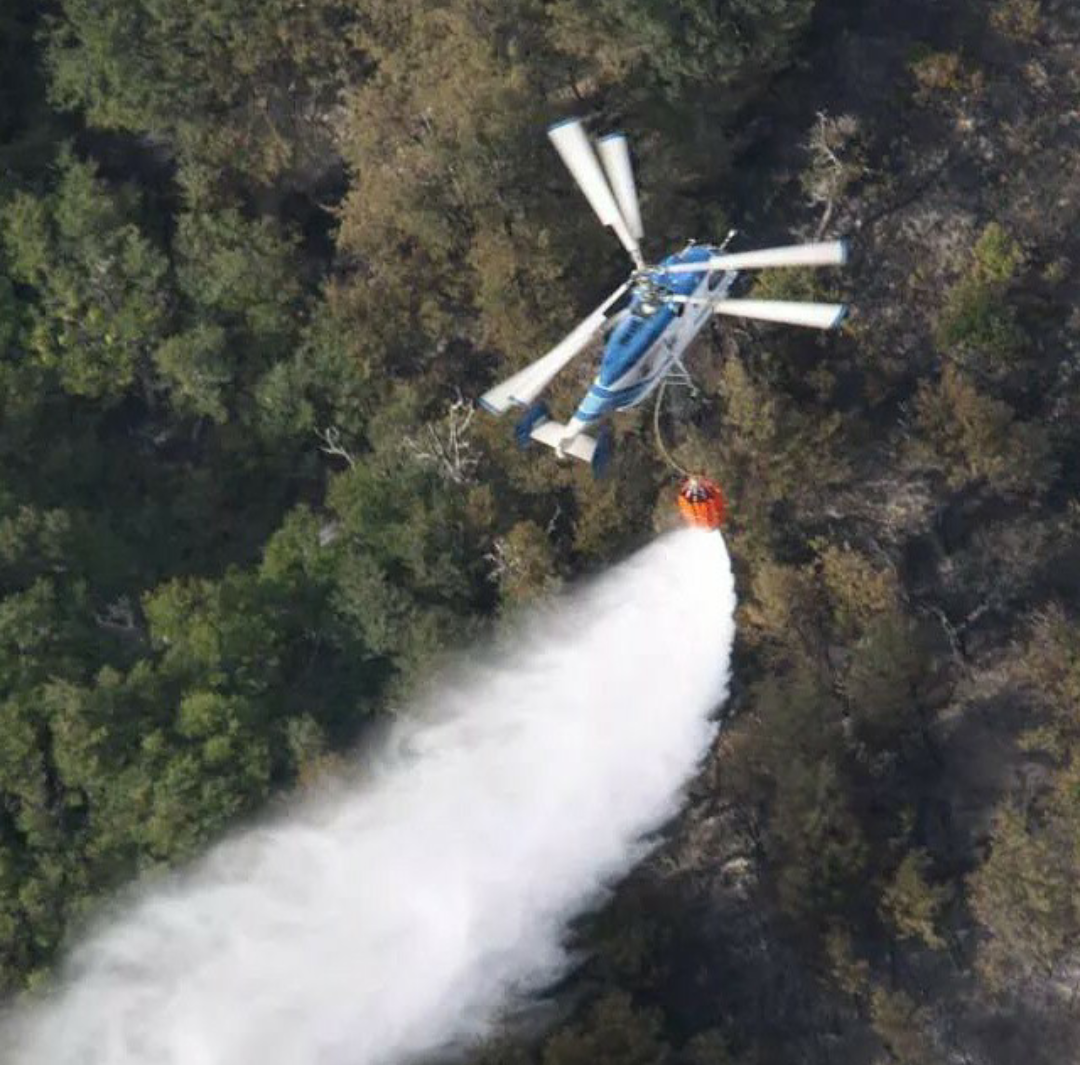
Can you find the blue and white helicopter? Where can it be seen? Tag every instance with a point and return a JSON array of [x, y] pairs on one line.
[[668, 305]]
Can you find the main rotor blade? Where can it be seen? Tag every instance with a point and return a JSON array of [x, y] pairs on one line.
[[814, 315], [615, 156], [572, 143], [827, 253], [528, 383]]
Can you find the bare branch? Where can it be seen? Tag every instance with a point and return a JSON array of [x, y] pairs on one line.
[[119, 617], [835, 162], [444, 445], [332, 445], [500, 559]]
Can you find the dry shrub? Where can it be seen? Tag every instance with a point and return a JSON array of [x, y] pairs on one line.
[[1018, 19]]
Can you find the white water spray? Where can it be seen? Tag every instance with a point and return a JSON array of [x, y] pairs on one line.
[[397, 917]]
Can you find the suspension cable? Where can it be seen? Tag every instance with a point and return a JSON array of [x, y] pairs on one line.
[[665, 454]]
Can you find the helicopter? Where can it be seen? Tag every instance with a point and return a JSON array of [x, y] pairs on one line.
[[650, 320]]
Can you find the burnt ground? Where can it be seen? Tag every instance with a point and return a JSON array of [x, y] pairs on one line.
[[995, 136]]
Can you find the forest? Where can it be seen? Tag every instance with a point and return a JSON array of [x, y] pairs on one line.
[[256, 261]]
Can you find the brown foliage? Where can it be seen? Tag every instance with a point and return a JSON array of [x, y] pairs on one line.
[[971, 436]]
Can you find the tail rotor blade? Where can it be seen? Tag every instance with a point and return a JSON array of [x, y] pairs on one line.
[[572, 144], [826, 253], [615, 156], [814, 315]]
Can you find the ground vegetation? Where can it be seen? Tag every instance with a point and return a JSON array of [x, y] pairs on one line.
[[255, 261]]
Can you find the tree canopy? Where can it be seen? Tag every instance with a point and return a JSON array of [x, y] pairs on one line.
[[256, 261]]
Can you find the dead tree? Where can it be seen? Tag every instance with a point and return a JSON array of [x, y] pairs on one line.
[[444, 445]]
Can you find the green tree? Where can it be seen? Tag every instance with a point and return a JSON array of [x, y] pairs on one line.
[[195, 366], [977, 313], [448, 135], [707, 1048], [886, 678], [911, 904], [233, 83], [819, 847], [243, 273], [773, 450], [851, 973], [322, 384], [971, 436], [613, 1032], [1024, 894], [680, 48], [242, 295], [101, 300], [787, 610], [1049, 662], [901, 1026], [858, 590]]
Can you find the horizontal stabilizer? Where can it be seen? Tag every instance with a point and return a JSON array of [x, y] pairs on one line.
[[814, 315], [554, 434], [527, 384], [826, 253]]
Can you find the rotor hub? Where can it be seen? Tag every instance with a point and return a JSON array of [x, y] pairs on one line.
[[651, 294]]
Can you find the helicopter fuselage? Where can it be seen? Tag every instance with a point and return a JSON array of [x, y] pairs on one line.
[[651, 318], [642, 348]]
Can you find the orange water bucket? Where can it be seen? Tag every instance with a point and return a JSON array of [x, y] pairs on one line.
[[702, 503]]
